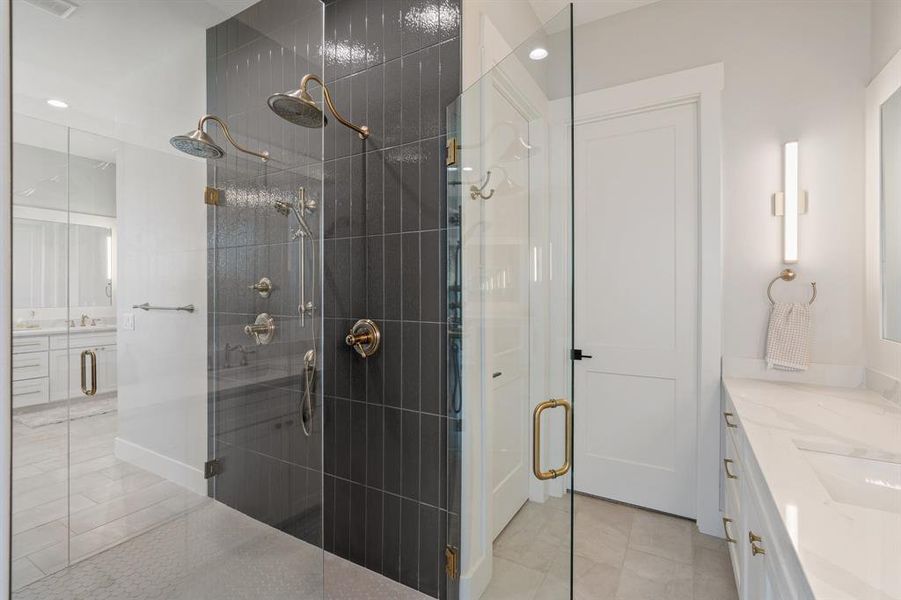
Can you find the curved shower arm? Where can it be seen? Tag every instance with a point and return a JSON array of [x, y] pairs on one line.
[[264, 156], [361, 130]]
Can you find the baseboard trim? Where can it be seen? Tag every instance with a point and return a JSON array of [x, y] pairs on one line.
[[168, 468], [474, 583]]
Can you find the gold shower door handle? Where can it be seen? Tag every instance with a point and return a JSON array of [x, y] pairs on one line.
[[84, 384], [536, 439]]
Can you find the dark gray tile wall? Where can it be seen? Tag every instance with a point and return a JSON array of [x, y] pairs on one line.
[[271, 470], [393, 65]]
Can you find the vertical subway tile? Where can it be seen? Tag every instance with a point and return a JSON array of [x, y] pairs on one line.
[[394, 95], [391, 532], [328, 513], [359, 108], [358, 276], [429, 462], [357, 187], [357, 525], [342, 447], [410, 275], [449, 58], [357, 36], [374, 193], [430, 276], [393, 191], [431, 366], [374, 535], [430, 551], [411, 352], [411, 458], [393, 284], [393, 452], [430, 191], [374, 445], [358, 442], [342, 518], [411, 160], [375, 303], [429, 92], [412, 25], [375, 51], [393, 28], [409, 543], [410, 97], [392, 351], [375, 115]]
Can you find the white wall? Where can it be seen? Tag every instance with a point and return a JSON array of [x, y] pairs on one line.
[[794, 70], [886, 34], [5, 296], [162, 363]]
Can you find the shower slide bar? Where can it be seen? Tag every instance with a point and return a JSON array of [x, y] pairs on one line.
[[147, 306]]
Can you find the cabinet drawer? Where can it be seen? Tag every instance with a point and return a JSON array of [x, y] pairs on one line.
[[83, 340], [30, 391], [30, 365], [31, 343]]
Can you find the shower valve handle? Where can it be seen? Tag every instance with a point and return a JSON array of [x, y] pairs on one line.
[[364, 337], [262, 330], [263, 286]]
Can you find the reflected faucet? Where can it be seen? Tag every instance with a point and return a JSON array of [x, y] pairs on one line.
[[84, 320]]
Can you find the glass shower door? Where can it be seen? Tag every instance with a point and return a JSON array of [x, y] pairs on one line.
[[509, 366]]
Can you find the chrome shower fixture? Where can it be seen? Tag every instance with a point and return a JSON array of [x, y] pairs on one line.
[[304, 205], [199, 143], [298, 107]]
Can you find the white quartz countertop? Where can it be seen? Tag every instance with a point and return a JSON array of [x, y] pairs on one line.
[[831, 459], [62, 329]]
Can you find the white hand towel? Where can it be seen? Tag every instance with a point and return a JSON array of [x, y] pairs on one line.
[[788, 337]]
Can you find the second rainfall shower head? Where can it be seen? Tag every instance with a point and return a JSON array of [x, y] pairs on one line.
[[298, 107]]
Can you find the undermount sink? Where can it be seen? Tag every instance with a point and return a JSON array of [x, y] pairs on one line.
[[853, 479]]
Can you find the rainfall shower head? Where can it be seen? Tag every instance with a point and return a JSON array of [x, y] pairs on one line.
[[298, 107], [199, 143]]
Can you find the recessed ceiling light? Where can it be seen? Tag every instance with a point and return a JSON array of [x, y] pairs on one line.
[[57, 103], [538, 54]]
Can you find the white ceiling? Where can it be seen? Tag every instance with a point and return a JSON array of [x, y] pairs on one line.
[[585, 11], [134, 70]]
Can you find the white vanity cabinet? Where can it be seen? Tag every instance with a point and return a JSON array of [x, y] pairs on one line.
[[763, 558], [47, 368]]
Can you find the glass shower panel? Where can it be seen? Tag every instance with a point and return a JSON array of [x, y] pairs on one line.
[[40, 419], [510, 326]]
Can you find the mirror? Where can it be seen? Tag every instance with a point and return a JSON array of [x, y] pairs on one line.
[[890, 167], [39, 264]]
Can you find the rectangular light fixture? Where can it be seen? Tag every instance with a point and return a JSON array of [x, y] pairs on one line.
[[792, 207]]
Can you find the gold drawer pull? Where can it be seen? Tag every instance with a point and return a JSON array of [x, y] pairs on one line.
[[755, 541], [536, 439], [726, 417], [726, 463], [729, 538]]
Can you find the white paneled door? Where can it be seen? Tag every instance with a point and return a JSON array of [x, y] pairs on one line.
[[505, 298], [636, 307]]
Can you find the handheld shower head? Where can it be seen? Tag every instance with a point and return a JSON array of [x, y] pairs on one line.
[[285, 208]]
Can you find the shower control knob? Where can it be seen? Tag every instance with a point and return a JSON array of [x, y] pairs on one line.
[[262, 330], [364, 337], [263, 286]]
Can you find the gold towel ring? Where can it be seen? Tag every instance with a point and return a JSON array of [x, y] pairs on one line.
[[788, 275]]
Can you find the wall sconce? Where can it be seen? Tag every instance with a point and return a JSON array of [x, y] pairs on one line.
[[790, 203]]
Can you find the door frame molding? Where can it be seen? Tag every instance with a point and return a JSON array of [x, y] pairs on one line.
[[702, 86]]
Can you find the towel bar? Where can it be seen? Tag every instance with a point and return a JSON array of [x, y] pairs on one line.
[[788, 275]]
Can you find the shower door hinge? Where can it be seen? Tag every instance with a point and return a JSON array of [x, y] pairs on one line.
[[451, 564], [451, 152], [211, 468], [211, 195], [576, 354]]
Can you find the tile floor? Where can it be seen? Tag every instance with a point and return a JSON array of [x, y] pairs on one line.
[[59, 519], [214, 552], [621, 553]]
